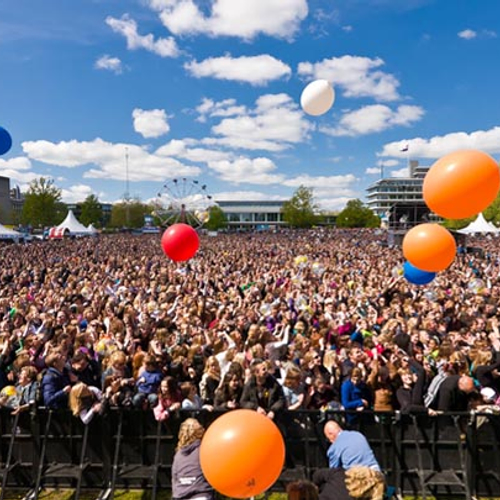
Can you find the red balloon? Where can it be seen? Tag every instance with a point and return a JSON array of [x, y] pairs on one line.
[[180, 242], [242, 454]]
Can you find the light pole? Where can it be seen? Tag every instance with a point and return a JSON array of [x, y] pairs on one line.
[[127, 192]]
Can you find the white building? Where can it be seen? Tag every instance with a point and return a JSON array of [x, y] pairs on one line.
[[384, 194], [252, 215]]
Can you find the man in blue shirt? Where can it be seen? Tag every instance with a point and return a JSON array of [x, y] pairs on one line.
[[350, 451], [348, 448]]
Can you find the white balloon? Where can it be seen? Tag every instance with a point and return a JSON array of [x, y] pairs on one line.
[[317, 98]]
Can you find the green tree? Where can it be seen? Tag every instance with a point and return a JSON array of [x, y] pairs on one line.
[[42, 204], [129, 214], [491, 214], [454, 224], [356, 214], [216, 218], [300, 210], [91, 211]]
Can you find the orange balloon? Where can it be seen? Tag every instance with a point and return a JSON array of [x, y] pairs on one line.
[[242, 453], [429, 247], [461, 184]]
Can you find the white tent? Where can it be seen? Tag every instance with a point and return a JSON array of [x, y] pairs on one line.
[[479, 226], [92, 229], [9, 234], [70, 225]]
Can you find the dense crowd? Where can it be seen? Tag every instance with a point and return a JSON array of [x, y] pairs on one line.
[[295, 320]]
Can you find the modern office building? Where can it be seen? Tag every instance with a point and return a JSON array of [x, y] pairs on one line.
[[11, 202], [383, 194], [398, 201], [252, 215]]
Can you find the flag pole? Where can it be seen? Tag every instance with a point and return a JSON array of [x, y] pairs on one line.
[[406, 149]]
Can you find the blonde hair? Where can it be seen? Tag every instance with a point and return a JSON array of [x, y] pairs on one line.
[[366, 483], [190, 431], [117, 356], [212, 366], [77, 393]]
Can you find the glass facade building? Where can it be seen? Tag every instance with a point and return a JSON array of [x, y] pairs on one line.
[[252, 215], [384, 194]]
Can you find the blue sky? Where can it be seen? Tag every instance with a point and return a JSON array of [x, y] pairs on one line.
[[209, 90]]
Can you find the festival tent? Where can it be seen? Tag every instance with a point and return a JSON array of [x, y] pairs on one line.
[[479, 226], [9, 234], [70, 226], [92, 229]]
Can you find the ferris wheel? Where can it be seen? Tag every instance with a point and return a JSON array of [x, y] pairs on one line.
[[183, 200]]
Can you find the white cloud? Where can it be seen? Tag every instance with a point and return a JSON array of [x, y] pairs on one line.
[[355, 76], [256, 70], [18, 163], [109, 159], [76, 193], [164, 47], [326, 199], [383, 165], [150, 123], [210, 108], [334, 204], [388, 163], [243, 19], [374, 118], [247, 170], [181, 149], [467, 34], [322, 20], [160, 4], [435, 147], [18, 169], [330, 192], [274, 124], [247, 195], [402, 172], [109, 63], [332, 183]]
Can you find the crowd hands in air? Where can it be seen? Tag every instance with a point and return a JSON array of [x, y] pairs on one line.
[[314, 320]]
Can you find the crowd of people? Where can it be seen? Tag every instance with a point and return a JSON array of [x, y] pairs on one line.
[[294, 320]]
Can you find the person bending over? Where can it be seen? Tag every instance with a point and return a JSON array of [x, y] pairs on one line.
[[350, 451]]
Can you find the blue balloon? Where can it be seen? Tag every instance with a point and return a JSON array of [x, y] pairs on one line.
[[5, 141], [417, 276]]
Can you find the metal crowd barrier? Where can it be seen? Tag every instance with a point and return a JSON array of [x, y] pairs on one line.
[[447, 455]]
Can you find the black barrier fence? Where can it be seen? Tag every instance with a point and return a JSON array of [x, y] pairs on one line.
[[451, 454]]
